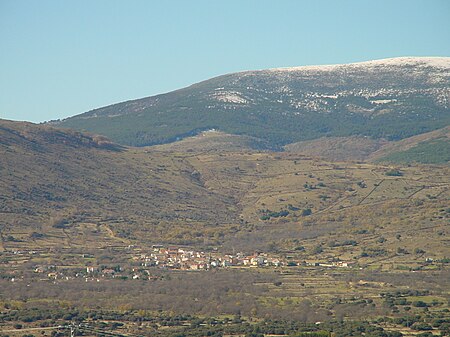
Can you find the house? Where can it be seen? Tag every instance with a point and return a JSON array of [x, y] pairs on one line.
[[227, 263], [108, 271], [273, 262], [257, 260], [52, 275], [194, 266], [343, 264], [172, 250], [150, 263]]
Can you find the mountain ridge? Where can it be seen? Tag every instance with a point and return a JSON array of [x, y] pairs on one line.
[[392, 99], [437, 61]]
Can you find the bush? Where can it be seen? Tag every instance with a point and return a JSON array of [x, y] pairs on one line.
[[420, 304], [402, 251], [421, 326], [306, 212], [425, 334], [36, 235], [394, 173], [317, 249], [381, 240]]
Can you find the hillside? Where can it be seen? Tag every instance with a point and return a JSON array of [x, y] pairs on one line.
[[429, 148], [69, 189], [338, 148], [392, 99], [62, 188], [214, 141]]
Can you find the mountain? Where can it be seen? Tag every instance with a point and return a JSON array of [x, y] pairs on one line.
[[391, 99]]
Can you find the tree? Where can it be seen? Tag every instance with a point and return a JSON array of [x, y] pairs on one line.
[[306, 212], [317, 249]]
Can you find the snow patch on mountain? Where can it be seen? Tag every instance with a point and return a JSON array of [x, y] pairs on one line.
[[437, 62], [230, 97]]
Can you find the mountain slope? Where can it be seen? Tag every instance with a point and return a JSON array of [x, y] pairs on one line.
[[67, 191], [392, 99], [54, 182], [429, 148], [338, 148], [214, 141]]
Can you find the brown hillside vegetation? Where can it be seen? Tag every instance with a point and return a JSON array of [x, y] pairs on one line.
[[59, 183], [338, 148], [214, 141], [70, 191]]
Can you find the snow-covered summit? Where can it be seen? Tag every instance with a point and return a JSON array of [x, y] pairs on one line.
[[392, 98], [437, 62]]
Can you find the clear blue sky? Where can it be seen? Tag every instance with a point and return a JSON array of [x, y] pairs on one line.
[[61, 58]]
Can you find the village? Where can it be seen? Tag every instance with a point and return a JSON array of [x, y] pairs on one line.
[[187, 259], [160, 257], [143, 264]]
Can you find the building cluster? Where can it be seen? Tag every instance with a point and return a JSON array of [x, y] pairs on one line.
[[89, 273], [186, 259], [141, 262], [51, 272], [340, 264]]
